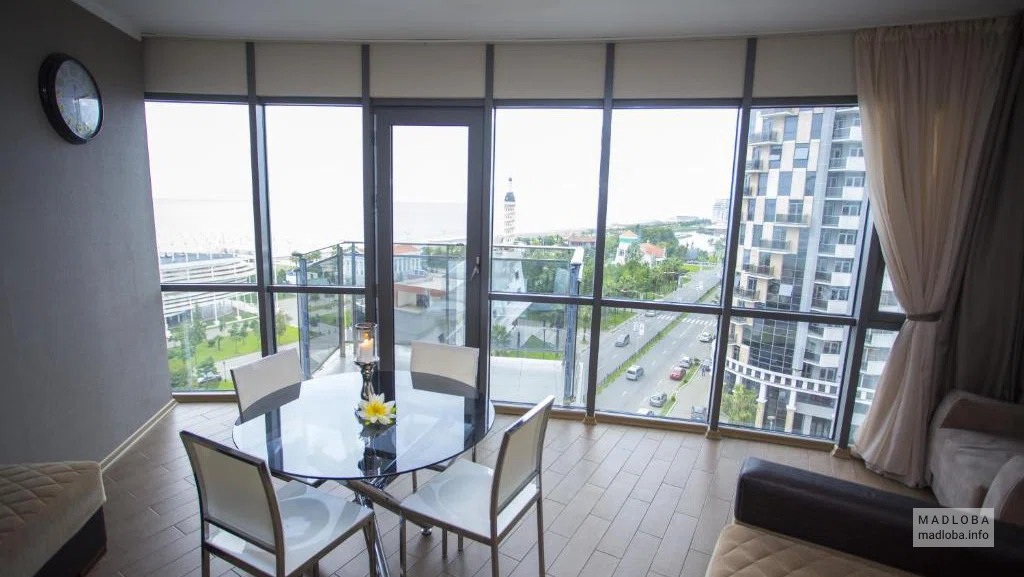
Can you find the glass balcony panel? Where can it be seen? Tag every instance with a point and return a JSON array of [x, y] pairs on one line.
[[319, 327], [208, 334], [539, 349]]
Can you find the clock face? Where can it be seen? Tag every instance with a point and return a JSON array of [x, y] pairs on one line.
[[77, 99]]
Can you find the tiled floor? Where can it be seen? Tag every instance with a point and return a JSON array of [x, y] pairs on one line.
[[620, 501]]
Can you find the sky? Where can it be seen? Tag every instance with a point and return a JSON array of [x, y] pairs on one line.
[[664, 163]]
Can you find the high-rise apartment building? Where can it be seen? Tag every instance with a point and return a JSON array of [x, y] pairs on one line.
[[804, 205]]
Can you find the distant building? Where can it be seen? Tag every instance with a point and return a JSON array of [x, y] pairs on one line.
[[509, 231], [582, 241], [186, 267], [720, 213], [650, 254]]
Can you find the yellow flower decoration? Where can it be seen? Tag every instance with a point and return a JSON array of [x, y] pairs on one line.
[[375, 411]]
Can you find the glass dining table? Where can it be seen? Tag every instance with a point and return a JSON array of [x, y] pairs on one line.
[[310, 430]]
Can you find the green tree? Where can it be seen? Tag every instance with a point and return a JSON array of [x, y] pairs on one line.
[[500, 336], [280, 324], [179, 378], [235, 334], [740, 405]]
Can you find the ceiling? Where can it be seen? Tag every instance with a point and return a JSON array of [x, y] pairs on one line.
[[376, 20]]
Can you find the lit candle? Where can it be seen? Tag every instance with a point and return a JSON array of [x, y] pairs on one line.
[[365, 354]]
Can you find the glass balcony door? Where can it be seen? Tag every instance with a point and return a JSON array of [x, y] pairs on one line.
[[429, 227]]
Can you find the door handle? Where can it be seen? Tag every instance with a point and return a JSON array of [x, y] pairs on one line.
[[476, 269]]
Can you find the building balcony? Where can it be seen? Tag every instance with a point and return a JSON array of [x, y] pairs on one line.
[[760, 270], [773, 245], [823, 276], [756, 165], [834, 307], [847, 163], [838, 250], [845, 192], [749, 191], [746, 294], [780, 112], [765, 137], [880, 339], [790, 219], [844, 221], [847, 133]]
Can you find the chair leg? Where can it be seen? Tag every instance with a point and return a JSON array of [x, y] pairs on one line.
[[206, 561], [415, 482], [401, 544], [495, 570], [370, 534], [540, 535], [474, 453], [444, 543], [460, 543]]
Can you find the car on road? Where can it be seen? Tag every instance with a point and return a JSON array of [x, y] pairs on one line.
[[650, 313], [208, 378], [676, 374], [705, 337], [622, 340], [698, 413], [685, 362], [634, 372], [645, 412], [658, 399]]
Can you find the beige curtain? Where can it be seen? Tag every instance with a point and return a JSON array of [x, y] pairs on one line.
[[926, 97]]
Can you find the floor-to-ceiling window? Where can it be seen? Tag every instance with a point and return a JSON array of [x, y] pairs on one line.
[[642, 259]]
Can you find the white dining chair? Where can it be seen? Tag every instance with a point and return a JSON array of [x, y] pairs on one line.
[[474, 501], [266, 531], [460, 364], [265, 376]]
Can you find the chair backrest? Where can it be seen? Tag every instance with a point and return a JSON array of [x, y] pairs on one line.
[[455, 362], [235, 492], [519, 458], [261, 378]]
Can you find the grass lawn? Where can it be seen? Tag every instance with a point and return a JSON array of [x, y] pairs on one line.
[[520, 354], [230, 348]]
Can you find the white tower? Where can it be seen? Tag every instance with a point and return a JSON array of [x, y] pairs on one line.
[[509, 235]]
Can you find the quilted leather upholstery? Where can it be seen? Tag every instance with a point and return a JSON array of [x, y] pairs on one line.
[[744, 551], [43, 505]]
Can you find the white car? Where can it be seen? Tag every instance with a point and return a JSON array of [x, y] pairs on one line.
[[645, 412], [705, 337]]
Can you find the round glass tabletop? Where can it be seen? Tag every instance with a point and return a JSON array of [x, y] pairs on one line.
[[310, 429]]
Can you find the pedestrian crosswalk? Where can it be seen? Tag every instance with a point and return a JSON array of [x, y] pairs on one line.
[[693, 320]]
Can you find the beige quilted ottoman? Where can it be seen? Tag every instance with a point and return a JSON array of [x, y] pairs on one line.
[[51, 518], [745, 551]]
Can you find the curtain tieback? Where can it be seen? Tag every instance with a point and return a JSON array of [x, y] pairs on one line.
[[932, 317]]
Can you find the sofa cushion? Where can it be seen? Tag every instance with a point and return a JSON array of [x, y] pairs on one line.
[[963, 464], [744, 551], [41, 507]]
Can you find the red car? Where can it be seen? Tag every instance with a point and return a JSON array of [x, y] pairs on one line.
[[676, 374]]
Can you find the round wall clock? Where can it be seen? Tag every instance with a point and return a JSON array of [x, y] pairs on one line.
[[70, 98]]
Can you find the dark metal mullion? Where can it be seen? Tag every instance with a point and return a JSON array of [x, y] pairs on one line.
[[602, 217], [385, 248], [541, 298], [209, 288], [795, 316], [487, 216], [593, 103], [803, 101], [732, 246], [870, 281], [369, 197], [195, 97], [260, 204], [669, 103], [316, 289], [310, 100]]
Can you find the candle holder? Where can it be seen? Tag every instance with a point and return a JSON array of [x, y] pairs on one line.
[[366, 357]]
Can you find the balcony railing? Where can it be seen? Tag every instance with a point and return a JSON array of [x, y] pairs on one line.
[[749, 190], [764, 136], [755, 164], [837, 162], [786, 218], [815, 329], [749, 294], [812, 356], [759, 269], [820, 304], [823, 275], [772, 244], [834, 192], [830, 220]]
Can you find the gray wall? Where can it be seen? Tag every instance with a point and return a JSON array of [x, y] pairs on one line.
[[82, 353]]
